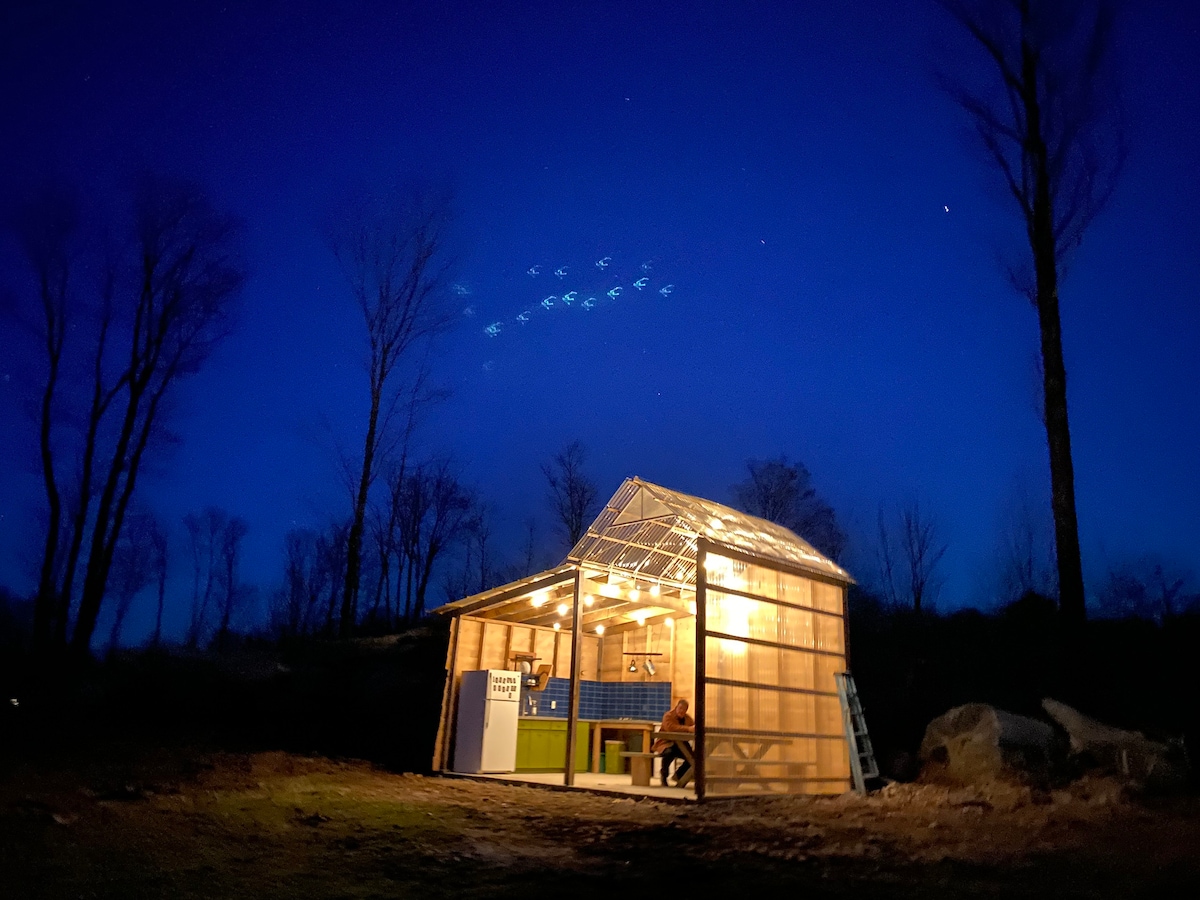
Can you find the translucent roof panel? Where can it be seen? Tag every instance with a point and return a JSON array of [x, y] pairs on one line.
[[650, 531], [645, 533]]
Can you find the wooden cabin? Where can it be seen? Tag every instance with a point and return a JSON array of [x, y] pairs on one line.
[[667, 596]]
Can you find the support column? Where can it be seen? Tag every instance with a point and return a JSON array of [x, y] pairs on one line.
[[445, 732], [701, 657], [573, 699]]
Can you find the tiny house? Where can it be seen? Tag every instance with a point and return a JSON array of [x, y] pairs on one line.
[[667, 596]]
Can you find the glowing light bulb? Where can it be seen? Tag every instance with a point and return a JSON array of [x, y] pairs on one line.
[[557, 627], [716, 524], [633, 594], [539, 598], [562, 609], [655, 590], [640, 618], [670, 622], [599, 629], [588, 599]]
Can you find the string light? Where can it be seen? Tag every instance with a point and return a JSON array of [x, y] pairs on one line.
[[562, 609]]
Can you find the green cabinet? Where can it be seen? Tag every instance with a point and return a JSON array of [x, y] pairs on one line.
[[542, 745]]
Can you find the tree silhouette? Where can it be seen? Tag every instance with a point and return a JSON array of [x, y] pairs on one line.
[[572, 494], [1049, 122], [393, 262], [910, 551], [783, 493], [132, 323]]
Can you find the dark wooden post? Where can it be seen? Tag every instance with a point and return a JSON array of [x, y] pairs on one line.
[[573, 700], [445, 734], [701, 649]]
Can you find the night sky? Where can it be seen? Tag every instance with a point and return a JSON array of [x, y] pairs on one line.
[[827, 225]]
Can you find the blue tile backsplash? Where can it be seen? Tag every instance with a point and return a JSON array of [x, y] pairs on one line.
[[601, 699]]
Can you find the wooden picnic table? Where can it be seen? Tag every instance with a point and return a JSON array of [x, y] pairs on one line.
[[682, 740], [644, 727], [745, 745], [748, 750]]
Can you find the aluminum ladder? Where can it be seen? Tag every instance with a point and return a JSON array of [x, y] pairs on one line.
[[862, 755]]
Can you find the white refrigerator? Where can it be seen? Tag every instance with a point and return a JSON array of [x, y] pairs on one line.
[[486, 731]]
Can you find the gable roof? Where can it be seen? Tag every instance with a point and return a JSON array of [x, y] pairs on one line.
[[651, 531], [647, 532]]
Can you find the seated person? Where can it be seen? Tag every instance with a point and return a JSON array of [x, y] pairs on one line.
[[675, 719]]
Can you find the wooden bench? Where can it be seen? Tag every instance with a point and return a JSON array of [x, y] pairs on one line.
[[640, 766], [748, 772]]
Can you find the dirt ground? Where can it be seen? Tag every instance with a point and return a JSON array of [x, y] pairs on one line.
[[133, 823]]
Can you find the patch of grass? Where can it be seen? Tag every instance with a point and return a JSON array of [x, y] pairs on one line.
[[275, 825]]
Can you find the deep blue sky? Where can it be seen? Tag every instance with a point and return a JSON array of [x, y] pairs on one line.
[[828, 226]]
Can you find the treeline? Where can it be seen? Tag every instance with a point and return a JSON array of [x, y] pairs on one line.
[[1129, 671], [341, 697], [112, 313], [121, 310]]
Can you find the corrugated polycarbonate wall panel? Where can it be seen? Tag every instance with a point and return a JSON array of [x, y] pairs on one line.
[[773, 641]]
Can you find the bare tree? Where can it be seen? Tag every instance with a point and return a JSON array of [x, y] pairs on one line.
[[436, 513], [479, 536], [312, 581], [910, 551], [392, 259], [1049, 121], [46, 227], [133, 323], [1148, 588], [381, 530], [451, 512], [159, 561], [529, 556], [572, 494], [783, 493], [233, 593], [1025, 551], [331, 564], [529, 550], [293, 604], [132, 570], [204, 538], [478, 572]]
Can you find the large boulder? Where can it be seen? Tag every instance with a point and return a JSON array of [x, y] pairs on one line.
[[1129, 754], [977, 743]]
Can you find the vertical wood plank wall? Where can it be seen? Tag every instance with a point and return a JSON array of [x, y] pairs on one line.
[[491, 644], [676, 665]]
